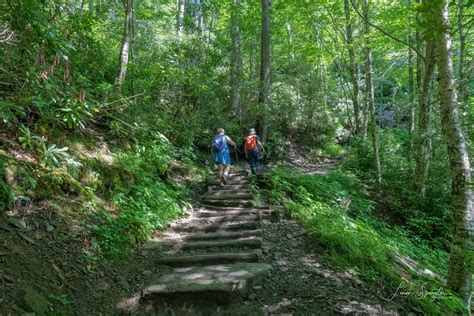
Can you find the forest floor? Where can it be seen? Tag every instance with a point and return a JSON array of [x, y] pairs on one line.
[[41, 256]]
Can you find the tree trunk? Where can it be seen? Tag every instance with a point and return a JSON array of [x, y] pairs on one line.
[[460, 262], [198, 19], [411, 95], [265, 65], [419, 65], [180, 25], [463, 77], [365, 117], [253, 65], [370, 95], [352, 67], [236, 61], [423, 143], [290, 42], [419, 61], [126, 41], [91, 7]]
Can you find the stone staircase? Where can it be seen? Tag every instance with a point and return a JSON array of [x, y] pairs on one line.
[[215, 254]]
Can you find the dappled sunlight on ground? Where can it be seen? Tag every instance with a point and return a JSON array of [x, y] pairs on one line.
[[129, 303], [101, 151], [302, 282]]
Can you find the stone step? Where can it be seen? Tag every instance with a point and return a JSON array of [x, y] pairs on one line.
[[230, 182], [239, 172], [234, 177], [213, 258], [232, 208], [223, 196], [217, 227], [222, 219], [229, 187], [223, 235], [244, 211], [217, 283], [229, 192], [235, 203], [249, 242]]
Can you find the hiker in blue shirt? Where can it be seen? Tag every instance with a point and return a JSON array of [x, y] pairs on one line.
[[221, 154]]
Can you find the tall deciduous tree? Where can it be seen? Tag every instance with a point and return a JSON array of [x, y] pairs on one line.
[[460, 262], [265, 64], [369, 83], [181, 5], [463, 73], [423, 143], [126, 42], [198, 17], [411, 94], [352, 66], [236, 60], [290, 42]]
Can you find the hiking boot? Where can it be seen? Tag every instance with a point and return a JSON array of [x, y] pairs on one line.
[[224, 179]]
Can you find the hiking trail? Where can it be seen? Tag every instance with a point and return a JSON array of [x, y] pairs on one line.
[[214, 254], [233, 257]]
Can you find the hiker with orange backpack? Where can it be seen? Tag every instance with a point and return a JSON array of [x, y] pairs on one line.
[[253, 150], [221, 154]]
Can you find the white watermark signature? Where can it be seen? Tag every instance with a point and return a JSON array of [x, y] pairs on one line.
[[404, 290]]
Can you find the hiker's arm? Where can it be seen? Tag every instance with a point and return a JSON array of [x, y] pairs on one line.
[[260, 146], [231, 142]]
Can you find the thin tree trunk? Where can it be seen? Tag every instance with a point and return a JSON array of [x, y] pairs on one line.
[[91, 7], [419, 61], [180, 25], [253, 66], [423, 142], [365, 117], [126, 41], [98, 8], [290, 42], [265, 65], [198, 20], [411, 95], [419, 64], [370, 96], [463, 79], [236, 61], [352, 67], [460, 262]]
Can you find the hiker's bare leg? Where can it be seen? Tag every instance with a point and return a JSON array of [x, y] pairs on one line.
[[221, 171], [226, 172]]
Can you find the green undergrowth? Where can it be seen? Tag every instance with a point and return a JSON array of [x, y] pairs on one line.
[[119, 193], [427, 216], [329, 150], [337, 212]]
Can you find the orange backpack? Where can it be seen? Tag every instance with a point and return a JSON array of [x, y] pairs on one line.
[[250, 142]]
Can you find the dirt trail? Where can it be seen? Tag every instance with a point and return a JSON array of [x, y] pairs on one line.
[[296, 275], [229, 257]]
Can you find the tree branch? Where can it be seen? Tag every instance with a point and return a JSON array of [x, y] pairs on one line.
[[462, 26], [386, 33]]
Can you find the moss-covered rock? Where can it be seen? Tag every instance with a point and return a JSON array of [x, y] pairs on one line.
[[34, 301]]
